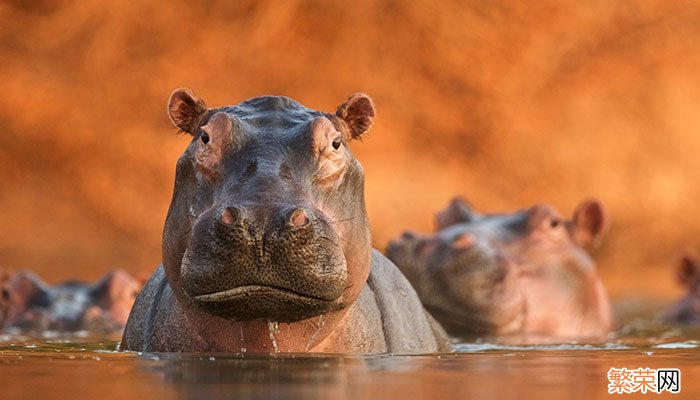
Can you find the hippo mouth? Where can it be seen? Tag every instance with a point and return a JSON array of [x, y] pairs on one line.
[[252, 290], [261, 302]]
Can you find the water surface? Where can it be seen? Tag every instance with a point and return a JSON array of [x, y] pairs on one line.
[[83, 366]]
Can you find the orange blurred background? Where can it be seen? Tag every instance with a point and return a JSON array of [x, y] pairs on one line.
[[505, 103]]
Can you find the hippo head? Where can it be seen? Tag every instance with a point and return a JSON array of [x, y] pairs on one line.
[[463, 279], [559, 282], [71, 305], [267, 220], [687, 310], [525, 271], [563, 292]]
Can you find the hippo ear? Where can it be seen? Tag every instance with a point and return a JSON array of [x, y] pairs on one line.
[[29, 280], [113, 285], [457, 212], [101, 289], [688, 269], [23, 287], [19, 292], [358, 114], [185, 110], [590, 223]]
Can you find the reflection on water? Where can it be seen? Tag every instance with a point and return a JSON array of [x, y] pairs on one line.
[[87, 367]]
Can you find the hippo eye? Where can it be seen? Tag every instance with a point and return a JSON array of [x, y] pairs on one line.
[[554, 223], [5, 294], [336, 143], [204, 137]]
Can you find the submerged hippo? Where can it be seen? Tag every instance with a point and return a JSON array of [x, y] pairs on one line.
[[523, 272], [266, 246], [687, 310], [32, 305]]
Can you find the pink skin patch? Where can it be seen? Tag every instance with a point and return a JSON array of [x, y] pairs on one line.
[[463, 241], [330, 151], [216, 136], [299, 218], [227, 217]]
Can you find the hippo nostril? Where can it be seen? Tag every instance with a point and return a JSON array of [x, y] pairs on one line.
[[299, 218], [463, 241], [231, 215]]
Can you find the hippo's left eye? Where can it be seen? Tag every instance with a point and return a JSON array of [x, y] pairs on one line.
[[337, 142], [554, 223], [205, 138]]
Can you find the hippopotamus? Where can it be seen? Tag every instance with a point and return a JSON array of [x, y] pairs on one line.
[[525, 272], [33, 305], [687, 310], [266, 244]]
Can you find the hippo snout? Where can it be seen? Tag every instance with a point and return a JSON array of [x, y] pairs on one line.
[[282, 263]]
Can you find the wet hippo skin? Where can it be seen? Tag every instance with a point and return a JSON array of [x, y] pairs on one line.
[[266, 246], [525, 272]]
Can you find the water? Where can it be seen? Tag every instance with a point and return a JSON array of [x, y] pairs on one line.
[[82, 366]]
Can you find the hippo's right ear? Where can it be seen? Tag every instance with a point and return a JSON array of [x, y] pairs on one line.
[[457, 212], [590, 223], [358, 114], [185, 110], [688, 269], [113, 284]]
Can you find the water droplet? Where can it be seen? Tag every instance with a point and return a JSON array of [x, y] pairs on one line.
[[273, 327], [313, 336]]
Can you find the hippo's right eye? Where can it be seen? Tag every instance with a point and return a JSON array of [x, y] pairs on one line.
[[204, 137], [337, 142], [554, 223], [5, 294]]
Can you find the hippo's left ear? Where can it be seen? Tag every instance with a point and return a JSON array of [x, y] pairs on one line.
[[590, 223], [688, 269], [457, 212], [358, 114], [185, 110]]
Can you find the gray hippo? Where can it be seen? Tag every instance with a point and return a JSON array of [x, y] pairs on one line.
[[687, 310], [266, 245], [524, 272], [32, 305]]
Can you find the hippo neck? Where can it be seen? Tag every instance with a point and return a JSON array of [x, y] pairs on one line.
[[257, 336]]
